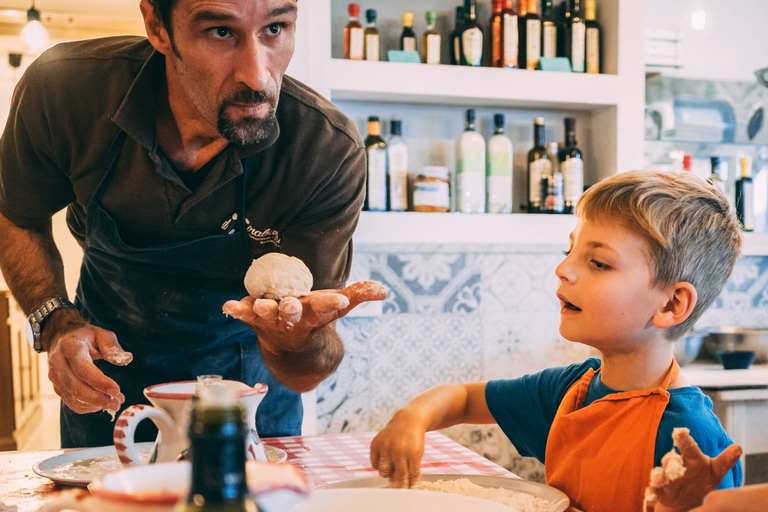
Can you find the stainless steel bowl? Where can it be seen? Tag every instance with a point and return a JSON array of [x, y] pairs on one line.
[[737, 338], [687, 348]]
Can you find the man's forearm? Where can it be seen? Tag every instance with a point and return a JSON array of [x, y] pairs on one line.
[[31, 264], [303, 371]]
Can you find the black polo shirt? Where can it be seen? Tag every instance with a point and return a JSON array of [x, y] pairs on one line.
[[304, 194]]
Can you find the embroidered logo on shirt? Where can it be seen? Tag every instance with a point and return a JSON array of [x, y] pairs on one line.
[[267, 236]]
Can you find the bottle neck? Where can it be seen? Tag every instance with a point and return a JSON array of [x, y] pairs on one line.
[[538, 135], [570, 139], [499, 130], [469, 126], [470, 13]]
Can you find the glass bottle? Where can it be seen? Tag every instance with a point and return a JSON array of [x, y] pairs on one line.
[[718, 175], [470, 169], [504, 31], [538, 166], [430, 41], [548, 30], [745, 196], [217, 434], [522, 11], [471, 37], [353, 35], [593, 53], [575, 38], [371, 45], [552, 184], [499, 173], [397, 158], [376, 153], [563, 26], [456, 36], [572, 167], [532, 35], [408, 36]]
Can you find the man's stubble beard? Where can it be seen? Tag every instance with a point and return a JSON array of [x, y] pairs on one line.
[[248, 130]]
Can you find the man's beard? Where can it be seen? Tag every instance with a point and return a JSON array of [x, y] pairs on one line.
[[248, 130]]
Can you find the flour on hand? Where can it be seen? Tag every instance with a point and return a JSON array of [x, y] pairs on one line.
[[274, 276]]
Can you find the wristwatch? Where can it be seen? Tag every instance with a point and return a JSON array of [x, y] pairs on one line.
[[35, 321]]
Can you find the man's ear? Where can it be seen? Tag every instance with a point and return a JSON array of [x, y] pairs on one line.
[[156, 31], [681, 300]]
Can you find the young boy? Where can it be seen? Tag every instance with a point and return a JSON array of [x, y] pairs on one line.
[[649, 255]]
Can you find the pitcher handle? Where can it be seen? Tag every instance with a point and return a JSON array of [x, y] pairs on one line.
[[125, 429], [72, 500]]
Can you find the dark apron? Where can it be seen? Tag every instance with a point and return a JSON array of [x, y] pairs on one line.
[[164, 304]]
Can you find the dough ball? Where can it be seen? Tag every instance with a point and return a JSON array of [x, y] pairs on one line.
[[275, 275]]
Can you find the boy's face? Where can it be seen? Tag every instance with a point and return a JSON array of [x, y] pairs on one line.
[[605, 291]]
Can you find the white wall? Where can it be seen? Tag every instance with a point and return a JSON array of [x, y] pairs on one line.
[[733, 44]]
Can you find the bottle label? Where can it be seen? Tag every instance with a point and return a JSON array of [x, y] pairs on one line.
[[431, 193], [510, 38], [472, 41], [398, 177], [499, 163], [532, 43], [471, 161], [377, 179], [593, 50], [409, 44], [457, 49], [433, 49], [536, 170], [748, 206], [578, 44], [499, 189], [549, 47], [573, 179], [356, 43], [372, 47]]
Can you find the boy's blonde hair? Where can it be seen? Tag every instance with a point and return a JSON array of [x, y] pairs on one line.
[[692, 232]]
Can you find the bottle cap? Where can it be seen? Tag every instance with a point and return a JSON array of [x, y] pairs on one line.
[[509, 4], [687, 160], [590, 11], [396, 126], [370, 15], [539, 120], [407, 19], [746, 166], [354, 10], [498, 120], [373, 119], [471, 115], [431, 17], [434, 171]]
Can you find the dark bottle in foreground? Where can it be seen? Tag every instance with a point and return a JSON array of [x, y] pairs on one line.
[[745, 196], [217, 434], [456, 36], [572, 167], [471, 37], [376, 158], [539, 166], [408, 36]]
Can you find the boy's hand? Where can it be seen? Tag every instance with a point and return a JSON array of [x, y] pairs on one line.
[[397, 450], [702, 475]]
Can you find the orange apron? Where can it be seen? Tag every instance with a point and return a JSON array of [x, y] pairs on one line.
[[601, 456]]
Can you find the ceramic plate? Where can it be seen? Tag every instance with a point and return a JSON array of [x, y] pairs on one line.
[[387, 500], [557, 499], [80, 467]]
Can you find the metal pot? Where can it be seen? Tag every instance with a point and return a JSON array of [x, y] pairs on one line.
[[737, 338], [687, 348]]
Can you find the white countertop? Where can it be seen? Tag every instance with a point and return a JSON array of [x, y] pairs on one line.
[[715, 377]]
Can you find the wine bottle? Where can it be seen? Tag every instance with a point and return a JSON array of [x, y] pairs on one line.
[[572, 167], [505, 38], [532, 35], [562, 27], [376, 153], [522, 10], [408, 36], [593, 53], [217, 434], [718, 175], [548, 30], [575, 38], [371, 45], [745, 196], [471, 37], [397, 158], [552, 184], [538, 166], [470, 168], [499, 173], [353, 35], [430, 41], [456, 36]]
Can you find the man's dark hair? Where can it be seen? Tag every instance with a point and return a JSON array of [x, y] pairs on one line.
[[163, 10]]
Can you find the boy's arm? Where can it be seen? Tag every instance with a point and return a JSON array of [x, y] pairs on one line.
[[397, 450]]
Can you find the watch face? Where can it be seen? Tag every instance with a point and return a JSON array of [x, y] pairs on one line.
[[30, 334]]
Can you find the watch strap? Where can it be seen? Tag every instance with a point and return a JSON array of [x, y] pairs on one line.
[[37, 318]]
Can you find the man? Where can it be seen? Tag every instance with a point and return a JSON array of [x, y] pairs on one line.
[[180, 157]]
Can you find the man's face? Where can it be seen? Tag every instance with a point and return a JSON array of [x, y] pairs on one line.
[[228, 61]]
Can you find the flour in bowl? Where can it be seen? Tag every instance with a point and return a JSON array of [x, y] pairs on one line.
[[521, 501]]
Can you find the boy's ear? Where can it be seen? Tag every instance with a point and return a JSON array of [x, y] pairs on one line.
[[681, 301]]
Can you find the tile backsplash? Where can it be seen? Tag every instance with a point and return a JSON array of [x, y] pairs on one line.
[[459, 314]]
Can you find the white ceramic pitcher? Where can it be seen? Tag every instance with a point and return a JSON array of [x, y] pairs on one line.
[[170, 410]]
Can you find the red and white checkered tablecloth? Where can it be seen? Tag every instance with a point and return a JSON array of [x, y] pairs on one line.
[[332, 458]]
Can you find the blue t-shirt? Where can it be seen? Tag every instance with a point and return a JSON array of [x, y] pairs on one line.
[[525, 408]]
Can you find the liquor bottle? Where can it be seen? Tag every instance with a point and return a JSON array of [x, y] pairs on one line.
[[522, 10], [745, 196], [217, 434], [397, 157], [376, 153], [575, 38], [562, 27], [456, 36], [470, 169], [430, 41], [471, 37], [353, 35], [552, 184], [593, 53], [572, 167], [531, 35], [504, 30], [718, 175], [498, 182], [371, 46], [548, 30], [538, 166], [408, 36]]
